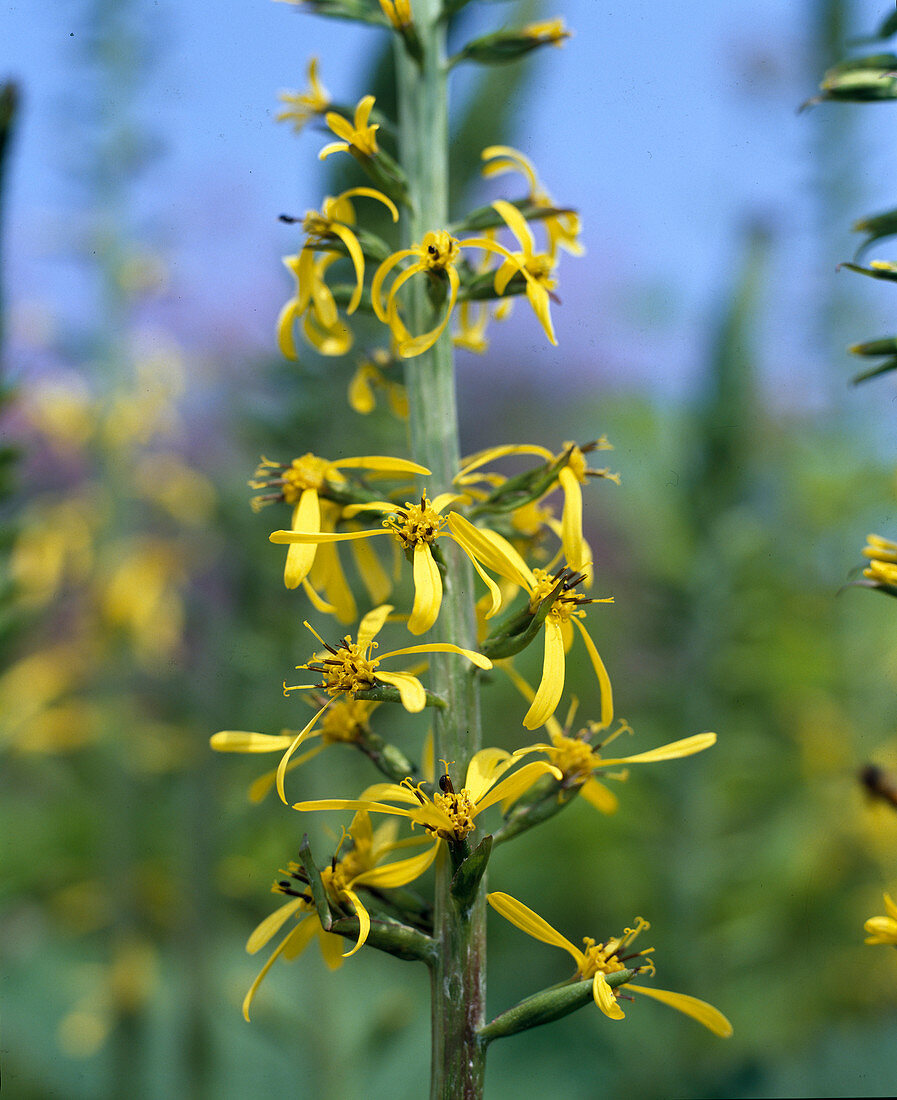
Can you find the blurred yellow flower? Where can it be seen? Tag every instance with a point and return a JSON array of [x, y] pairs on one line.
[[301, 107], [883, 929], [357, 137]]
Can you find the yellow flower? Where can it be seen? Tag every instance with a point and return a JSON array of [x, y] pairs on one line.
[[398, 12], [448, 815], [332, 223], [562, 227], [301, 107], [883, 929], [600, 959], [882, 567], [578, 759], [357, 137], [547, 32], [361, 865], [346, 669], [314, 303], [436, 256], [574, 473], [371, 376], [301, 485], [417, 527], [537, 265]]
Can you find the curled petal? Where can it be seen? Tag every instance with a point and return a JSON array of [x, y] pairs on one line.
[[419, 344], [298, 938], [411, 690], [607, 695], [379, 277], [511, 788], [605, 999], [427, 591], [297, 741], [602, 798], [688, 746], [364, 921], [486, 768], [552, 683], [390, 875]]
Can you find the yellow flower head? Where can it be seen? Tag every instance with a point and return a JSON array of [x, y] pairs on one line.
[[361, 865], [563, 227], [301, 485], [436, 256], [598, 960], [398, 12], [313, 304], [371, 376], [882, 567], [417, 527], [301, 107], [357, 137], [324, 228], [447, 814], [883, 929], [547, 32]]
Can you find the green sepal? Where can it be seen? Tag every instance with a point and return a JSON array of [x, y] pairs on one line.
[[882, 368], [885, 346], [354, 10], [522, 488], [876, 227], [547, 1006], [386, 693], [394, 764], [889, 273], [860, 80], [391, 936], [501, 47], [316, 884], [466, 880], [385, 173]]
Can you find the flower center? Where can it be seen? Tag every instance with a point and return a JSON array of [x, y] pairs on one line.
[[417, 525], [577, 462], [344, 721], [572, 756], [439, 250], [566, 602], [307, 472], [459, 808], [605, 956], [347, 670]]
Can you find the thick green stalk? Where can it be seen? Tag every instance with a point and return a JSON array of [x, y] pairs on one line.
[[458, 976]]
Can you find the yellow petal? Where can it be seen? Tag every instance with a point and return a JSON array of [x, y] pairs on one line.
[[688, 746], [517, 224], [602, 798], [381, 308], [351, 804], [411, 690], [512, 787], [371, 625], [474, 461], [552, 683], [539, 300], [309, 538], [890, 906], [607, 696], [383, 463], [442, 647], [331, 948], [495, 552], [285, 321], [357, 257], [373, 576], [364, 922], [361, 394], [259, 788], [427, 590], [571, 520], [605, 999], [300, 932], [300, 559], [704, 1013], [243, 741], [531, 923], [417, 345], [272, 924], [400, 873], [297, 741], [484, 769]]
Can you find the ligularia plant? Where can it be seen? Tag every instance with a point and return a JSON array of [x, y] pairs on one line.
[[492, 565]]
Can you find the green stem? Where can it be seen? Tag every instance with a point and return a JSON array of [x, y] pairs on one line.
[[458, 974]]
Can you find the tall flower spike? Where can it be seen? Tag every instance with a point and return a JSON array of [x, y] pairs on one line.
[[302, 484], [301, 107], [417, 527], [436, 256], [600, 959]]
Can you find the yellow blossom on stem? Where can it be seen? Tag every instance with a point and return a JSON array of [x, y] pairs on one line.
[[563, 228], [538, 266], [883, 929], [447, 814], [334, 222], [416, 527], [546, 32], [398, 12], [314, 304], [574, 473], [371, 376], [301, 485], [357, 137], [301, 107], [346, 670], [597, 960], [361, 865], [436, 256], [882, 566]]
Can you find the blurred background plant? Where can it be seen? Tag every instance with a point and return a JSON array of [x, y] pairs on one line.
[[142, 607]]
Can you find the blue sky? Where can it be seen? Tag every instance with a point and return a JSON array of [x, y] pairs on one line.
[[667, 126]]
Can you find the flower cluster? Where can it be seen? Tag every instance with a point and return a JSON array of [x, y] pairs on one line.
[[472, 542]]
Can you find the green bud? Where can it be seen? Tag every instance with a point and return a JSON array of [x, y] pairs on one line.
[[316, 884], [862, 79], [504, 46], [466, 880]]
